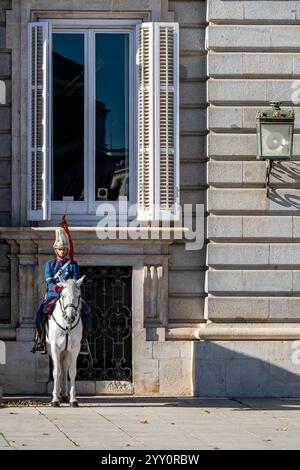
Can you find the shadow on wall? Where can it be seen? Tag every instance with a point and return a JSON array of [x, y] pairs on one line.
[[246, 369]]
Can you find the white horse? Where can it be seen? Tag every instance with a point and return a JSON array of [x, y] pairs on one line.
[[63, 339]]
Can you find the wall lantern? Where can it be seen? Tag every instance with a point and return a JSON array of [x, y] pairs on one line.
[[274, 129]]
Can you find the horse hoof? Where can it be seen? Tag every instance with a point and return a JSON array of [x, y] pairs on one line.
[[74, 404], [55, 404], [65, 399]]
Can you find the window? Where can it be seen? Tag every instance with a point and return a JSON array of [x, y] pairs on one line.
[[102, 117]]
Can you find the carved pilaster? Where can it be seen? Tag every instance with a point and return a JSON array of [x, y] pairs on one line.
[[28, 272], [14, 290], [155, 295]]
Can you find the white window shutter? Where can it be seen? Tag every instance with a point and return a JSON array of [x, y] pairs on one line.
[[158, 60], [38, 154], [145, 76]]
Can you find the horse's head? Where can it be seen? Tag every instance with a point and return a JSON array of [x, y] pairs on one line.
[[70, 299]]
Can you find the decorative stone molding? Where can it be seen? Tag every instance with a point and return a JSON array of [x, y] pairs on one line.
[[155, 295]]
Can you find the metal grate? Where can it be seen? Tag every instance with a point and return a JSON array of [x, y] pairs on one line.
[[108, 292]]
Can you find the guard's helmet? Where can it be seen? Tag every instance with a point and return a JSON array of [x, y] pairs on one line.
[[61, 239]]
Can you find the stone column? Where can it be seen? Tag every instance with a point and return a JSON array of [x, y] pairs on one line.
[[27, 290], [14, 290]]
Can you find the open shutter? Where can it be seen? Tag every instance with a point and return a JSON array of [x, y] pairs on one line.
[[158, 60], [145, 76], [38, 160]]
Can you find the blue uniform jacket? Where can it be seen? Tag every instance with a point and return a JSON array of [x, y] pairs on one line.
[[70, 272], [52, 267]]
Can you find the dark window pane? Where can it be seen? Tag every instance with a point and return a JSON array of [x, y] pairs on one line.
[[68, 116], [112, 112]]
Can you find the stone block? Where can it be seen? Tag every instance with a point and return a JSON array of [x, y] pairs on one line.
[[224, 64], [220, 227], [233, 145], [236, 91], [285, 254], [192, 146], [5, 145], [246, 368], [175, 380], [224, 281], [261, 227], [192, 196], [270, 10], [119, 387], [192, 39], [238, 254], [5, 64], [193, 93], [236, 199], [42, 369], [192, 120], [4, 252], [147, 371], [189, 12], [224, 172], [165, 350], [5, 308], [255, 173], [283, 38], [219, 10], [21, 379], [186, 282], [249, 281], [192, 174], [235, 37], [179, 256], [247, 377], [238, 309], [280, 89], [5, 169], [5, 118], [5, 199], [284, 308], [268, 64], [191, 67], [186, 309], [220, 118], [4, 283]]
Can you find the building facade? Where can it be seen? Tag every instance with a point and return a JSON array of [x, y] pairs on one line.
[[219, 321]]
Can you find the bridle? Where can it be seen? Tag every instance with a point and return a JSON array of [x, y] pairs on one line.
[[63, 309]]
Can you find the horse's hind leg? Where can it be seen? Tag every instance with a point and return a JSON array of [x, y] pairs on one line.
[[56, 375]]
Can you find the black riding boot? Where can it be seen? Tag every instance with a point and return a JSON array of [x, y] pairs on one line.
[[86, 322], [40, 341]]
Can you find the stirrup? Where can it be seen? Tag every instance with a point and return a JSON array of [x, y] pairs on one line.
[[84, 348], [40, 348]]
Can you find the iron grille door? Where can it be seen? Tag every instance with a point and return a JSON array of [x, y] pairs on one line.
[[108, 292]]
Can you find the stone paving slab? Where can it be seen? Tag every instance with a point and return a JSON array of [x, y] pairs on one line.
[[132, 423]]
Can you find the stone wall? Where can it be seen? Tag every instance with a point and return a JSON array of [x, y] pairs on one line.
[[5, 121], [187, 268], [253, 250]]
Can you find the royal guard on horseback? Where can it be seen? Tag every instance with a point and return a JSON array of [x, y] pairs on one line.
[[61, 268]]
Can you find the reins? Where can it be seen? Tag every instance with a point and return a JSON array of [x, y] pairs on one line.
[[63, 309]]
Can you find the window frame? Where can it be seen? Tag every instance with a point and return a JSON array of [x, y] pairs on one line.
[[90, 28]]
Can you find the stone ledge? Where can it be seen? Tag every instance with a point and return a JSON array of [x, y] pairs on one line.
[[230, 332]]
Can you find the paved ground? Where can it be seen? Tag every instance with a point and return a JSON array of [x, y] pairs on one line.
[[129, 423]]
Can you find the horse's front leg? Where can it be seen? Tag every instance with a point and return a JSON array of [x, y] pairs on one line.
[[55, 353], [64, 377], [72, 375]]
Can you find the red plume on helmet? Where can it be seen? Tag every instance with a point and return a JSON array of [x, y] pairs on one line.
[[64, 225]]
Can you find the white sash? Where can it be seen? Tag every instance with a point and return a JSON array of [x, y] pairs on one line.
[[61, 270]]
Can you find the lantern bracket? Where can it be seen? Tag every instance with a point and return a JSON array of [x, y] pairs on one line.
[[269, 164]]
